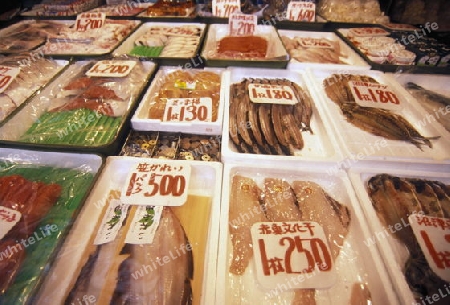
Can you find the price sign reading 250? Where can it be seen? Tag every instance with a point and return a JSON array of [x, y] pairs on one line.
[[157, 183]]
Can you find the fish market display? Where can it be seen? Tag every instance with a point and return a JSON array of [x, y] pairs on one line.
[[268, 128], [33, 75], [163, 8], [97, 41], [377, 121], [433, 102], [45, 199], [168, 41], [394, 199], [61, 7], [317, 50], [129, 8]]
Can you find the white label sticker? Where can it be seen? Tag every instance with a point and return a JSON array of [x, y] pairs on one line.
[[369, 94], [225, 8], [157, 182], [7, 76], [8, 219], [271, 94], [144, 225], [112, 222], [242, 25], [433, 235], [294, 252], [319, 43], [90, 20], [111, 68], [188, 110], [301, 11]]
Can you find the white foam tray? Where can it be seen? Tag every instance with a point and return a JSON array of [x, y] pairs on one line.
[[360, 146], [355, 263], [351, 60], [320, 147], [141, 122], [206, 178], [394, 254]]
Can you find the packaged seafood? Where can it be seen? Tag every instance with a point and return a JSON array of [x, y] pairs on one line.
[[378, 124], [34, 74], [279, 129], [126, 9], [79, 110], [129, 264], [365, 11], [263, 48], [68, 41], [264, 199], [167, 9], [165, 42], [183, 100], [60, 8], [40, 196], [314, 49], [391, 198]]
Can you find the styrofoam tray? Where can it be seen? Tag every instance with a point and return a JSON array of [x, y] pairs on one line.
[[319, 146], [393, 252], [141, 122], [350, 59], [355, 263], [205, 180], [361, 146]]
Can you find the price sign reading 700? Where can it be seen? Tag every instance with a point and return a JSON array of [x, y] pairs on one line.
[[225, 8]]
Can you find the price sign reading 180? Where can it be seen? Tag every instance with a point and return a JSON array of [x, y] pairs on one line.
[[369, 94], [88, 21], [225, 8], [271, 94], [157, 183], [7, 76]]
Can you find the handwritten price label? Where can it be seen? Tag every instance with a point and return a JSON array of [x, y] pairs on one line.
[[433, 235], [111, 68], [8, 219], [242, 25], [188, 110], [157, 183], [284, 251], [271, 94], [7, 76], [301, 11], [376, 95], [89, 21], [225, 8]]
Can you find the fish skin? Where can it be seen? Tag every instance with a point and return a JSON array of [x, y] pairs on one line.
[[428, 198], [419, 91], [444, 198], [244, 211]]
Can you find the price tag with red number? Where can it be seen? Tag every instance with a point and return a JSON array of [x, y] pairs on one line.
[[88, 21], [369, 94], [242, 25], [301, 11], [7, 75], [188, 110], [157, 182], [271, 94], [8, 219], [225, 8], [111, 68], [433, 236], [295, 252]]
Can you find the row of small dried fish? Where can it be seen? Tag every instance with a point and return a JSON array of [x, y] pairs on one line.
[[377, 121], [394, 199], [262, 128]]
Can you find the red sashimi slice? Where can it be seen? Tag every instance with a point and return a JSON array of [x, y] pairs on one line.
[[79, 83], [100, 92], [93, 104]]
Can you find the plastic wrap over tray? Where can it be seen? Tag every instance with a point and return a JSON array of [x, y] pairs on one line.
[[282, 195], [197, 216], [77, 111], [404, 134], [40, 196], [206, 86]]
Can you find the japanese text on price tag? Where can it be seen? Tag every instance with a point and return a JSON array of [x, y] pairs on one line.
[[225, 8], [271, 94], [297, 252], [188, 110], [111, 68], [301, 11], [433, 235], [8, 219], [369, 94], [87, 21], [7, 75], [144, 225], [157, 183], [112, 222], [242, 25]]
